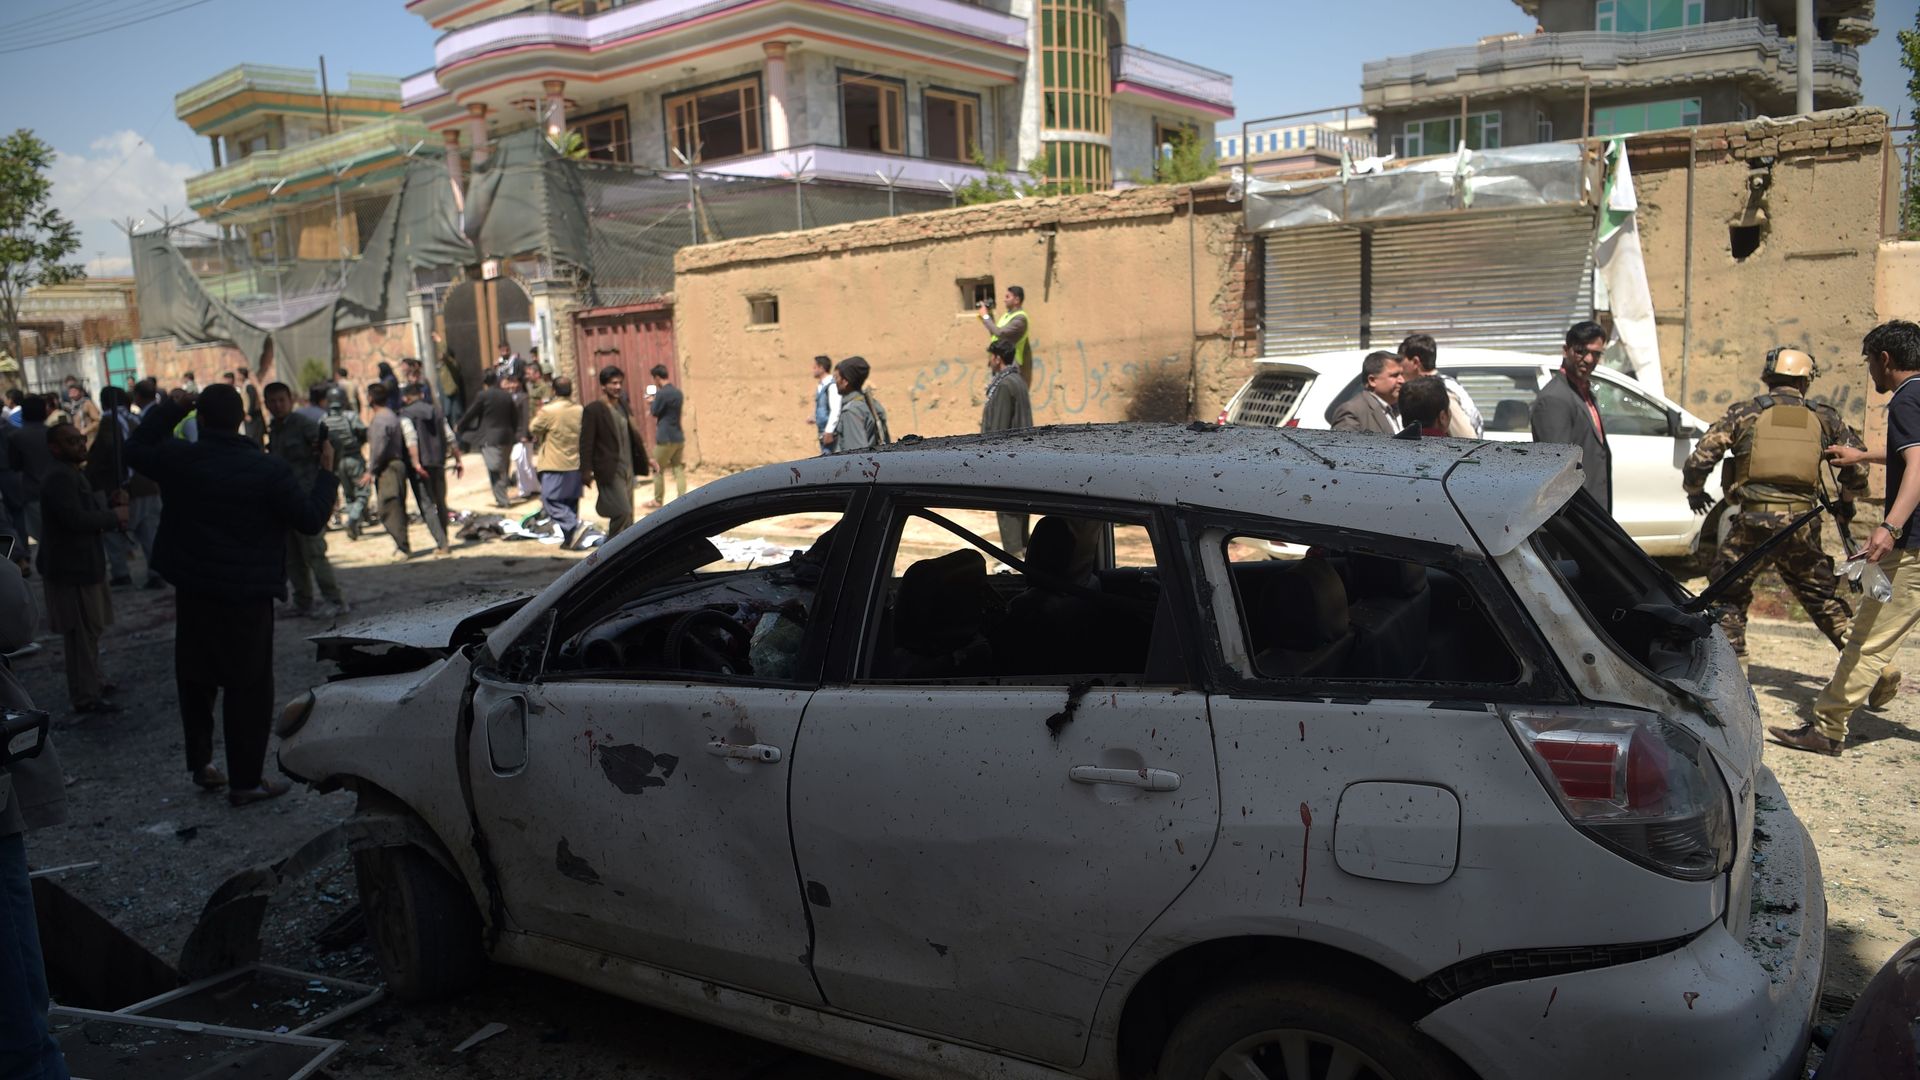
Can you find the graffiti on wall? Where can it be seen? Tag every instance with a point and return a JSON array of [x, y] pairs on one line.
[[1074, 386]]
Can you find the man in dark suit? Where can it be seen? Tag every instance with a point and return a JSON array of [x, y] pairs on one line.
[[611, 451], [222, 545], [1565, 410], [494, 423], [1376, 407]]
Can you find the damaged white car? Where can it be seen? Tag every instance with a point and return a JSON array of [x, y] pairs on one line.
[[1466, 791]]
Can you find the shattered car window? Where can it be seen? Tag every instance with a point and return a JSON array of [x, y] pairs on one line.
[[734, 602], [1339, 613], [1082, 601]]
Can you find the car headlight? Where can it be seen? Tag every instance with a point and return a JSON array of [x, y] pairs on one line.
[[294, 714]]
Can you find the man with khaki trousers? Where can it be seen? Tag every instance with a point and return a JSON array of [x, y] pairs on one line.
[[1892, 352]]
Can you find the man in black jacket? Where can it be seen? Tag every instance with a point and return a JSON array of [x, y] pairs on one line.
[[494, 421], [74, 565], [431, 440], [227, 506], [1565, 410]]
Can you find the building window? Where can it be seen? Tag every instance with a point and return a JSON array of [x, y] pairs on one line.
[[763, 310], [974, 292], [715, 122], [1073, 57], [1080, 165], [1639, 16], [1442, 136], [1542, 127], [1653, 116], [873, 113], [605, 135], [953, 125]]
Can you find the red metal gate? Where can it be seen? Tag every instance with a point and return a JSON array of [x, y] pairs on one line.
[[634, 339]]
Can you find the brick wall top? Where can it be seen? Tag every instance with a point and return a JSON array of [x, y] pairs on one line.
[[1014, 215], [1854, 130]]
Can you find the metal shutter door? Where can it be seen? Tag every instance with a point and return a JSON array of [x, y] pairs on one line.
[[1495, 281], [1312, 301]]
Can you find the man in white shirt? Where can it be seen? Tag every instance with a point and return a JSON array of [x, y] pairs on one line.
[[1418, 354], [826, 403]]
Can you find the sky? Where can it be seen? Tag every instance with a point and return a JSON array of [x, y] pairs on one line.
[[105, 100]]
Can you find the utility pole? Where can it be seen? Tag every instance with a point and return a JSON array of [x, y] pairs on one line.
[[1804, 38]]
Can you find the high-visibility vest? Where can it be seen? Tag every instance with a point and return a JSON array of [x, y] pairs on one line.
[[1022, 351]]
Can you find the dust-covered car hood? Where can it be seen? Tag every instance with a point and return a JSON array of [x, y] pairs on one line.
[[421, 633]]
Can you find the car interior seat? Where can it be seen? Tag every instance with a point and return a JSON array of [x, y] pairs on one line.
[[940, 614], [1511, 415], [1300, 624], [1389, 614]]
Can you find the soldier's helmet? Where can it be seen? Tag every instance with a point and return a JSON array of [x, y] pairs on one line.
[[336, 399], [1790, 363]]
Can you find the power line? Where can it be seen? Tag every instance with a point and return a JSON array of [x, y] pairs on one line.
[[77, 35], [75, 21], [54, 12]]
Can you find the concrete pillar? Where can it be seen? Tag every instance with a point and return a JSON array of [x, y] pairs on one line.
[[556, 108], [454, 171], [1805, 37], [776, 80], [477, 133]]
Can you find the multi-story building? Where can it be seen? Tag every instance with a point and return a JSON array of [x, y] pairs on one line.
[[1280, 147], [1614, 67], [918, 91], [300, 170]]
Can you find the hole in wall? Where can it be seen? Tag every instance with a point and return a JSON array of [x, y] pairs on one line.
[[1744, 240]]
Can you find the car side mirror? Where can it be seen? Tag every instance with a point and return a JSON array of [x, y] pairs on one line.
[[1678, 428]]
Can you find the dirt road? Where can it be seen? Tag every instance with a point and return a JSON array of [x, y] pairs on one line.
[[163, 846]]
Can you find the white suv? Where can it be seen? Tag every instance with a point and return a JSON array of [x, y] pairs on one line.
[[1650, 435], [1466, 791]]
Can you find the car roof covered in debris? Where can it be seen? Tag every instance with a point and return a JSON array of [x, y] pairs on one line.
[[1344, 479]]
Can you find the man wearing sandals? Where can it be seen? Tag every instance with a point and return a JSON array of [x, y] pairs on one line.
[[226, 508]]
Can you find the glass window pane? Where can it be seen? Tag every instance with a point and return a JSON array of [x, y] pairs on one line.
[[943, 128], [1631, 16], [1666, 14], [1603, 16]]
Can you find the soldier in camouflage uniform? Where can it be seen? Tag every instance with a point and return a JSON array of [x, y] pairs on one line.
[[348, 433], [1773, 476]]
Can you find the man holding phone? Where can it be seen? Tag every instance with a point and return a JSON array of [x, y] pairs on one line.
[[1013, 329]]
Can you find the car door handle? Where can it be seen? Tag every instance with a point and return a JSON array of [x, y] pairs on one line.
[[760, 752], [1150, 779]]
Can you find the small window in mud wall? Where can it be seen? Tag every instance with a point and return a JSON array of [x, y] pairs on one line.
[[1327, 614], [975, 291], [731, 597], [763, 310], [1084, 602]]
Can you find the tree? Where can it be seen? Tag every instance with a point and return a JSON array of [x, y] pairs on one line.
[[1187, 161], [35, 238], [1002, 182], [1910, 59]]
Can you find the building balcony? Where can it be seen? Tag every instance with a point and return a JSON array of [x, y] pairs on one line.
[[1745, 51], [854, 166], [1156, 78], [500, 60], [359, 155], [248, 88]]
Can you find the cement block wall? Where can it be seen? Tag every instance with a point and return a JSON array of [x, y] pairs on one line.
[[1116, 284]]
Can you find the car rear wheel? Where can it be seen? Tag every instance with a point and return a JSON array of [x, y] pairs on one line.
[[422, 922], [1283, 1030]]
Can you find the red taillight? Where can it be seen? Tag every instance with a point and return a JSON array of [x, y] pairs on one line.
[[1222, 419], [1636, 781], [1295, 422], [1586, 768]]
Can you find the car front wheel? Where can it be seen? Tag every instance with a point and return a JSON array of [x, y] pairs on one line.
[[422, 922], [1284, 1030]]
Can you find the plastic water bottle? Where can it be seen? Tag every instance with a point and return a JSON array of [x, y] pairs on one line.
[[1871, 578]]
